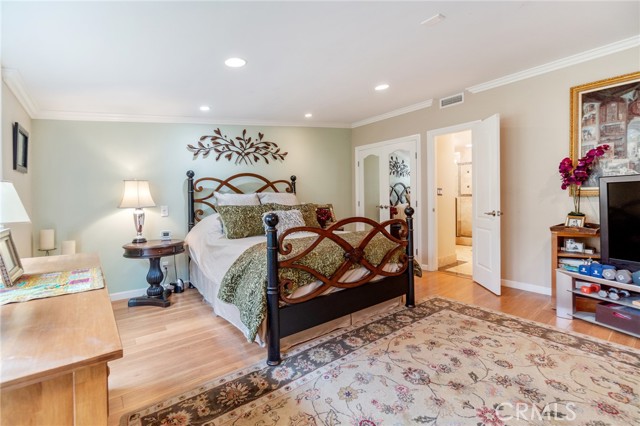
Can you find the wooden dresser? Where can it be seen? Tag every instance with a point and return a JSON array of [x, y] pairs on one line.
[[55, 351]]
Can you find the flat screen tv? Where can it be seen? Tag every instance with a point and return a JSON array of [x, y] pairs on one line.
[[620, 221]]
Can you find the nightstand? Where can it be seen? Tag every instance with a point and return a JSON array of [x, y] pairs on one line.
[[153, 250]]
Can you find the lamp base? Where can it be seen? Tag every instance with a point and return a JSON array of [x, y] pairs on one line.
[[139, 240]]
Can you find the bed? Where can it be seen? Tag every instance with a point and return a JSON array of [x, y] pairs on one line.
[[363, 275]]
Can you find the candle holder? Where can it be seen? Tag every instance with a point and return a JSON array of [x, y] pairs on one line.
[[47, 250]]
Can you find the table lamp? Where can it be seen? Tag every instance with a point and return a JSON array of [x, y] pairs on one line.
[[137, 196], [11, 211]]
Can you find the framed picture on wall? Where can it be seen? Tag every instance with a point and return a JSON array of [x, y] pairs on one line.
[[20, 148], [607, 112]]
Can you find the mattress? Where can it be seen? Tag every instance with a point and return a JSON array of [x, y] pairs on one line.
[[212, 254]]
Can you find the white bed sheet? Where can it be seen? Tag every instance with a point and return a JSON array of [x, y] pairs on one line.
[[212, 254]]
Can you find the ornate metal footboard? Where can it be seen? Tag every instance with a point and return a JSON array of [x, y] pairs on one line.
[[287, 315]]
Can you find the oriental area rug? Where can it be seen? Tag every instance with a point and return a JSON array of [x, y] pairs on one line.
[[440, 363]]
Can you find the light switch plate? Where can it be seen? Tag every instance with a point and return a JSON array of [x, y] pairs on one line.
[[164, 211]]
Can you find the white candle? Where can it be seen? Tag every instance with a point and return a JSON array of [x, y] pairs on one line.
[[47, 239], [69, 247]]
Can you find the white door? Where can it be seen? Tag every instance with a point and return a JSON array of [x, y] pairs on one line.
[[486, 204], [377, 167]]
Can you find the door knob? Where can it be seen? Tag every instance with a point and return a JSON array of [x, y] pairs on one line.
[[491, 213]]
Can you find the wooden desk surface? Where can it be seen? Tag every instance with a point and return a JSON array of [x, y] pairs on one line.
[[43, 338]]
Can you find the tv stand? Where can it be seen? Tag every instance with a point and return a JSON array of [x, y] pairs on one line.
[[567, 293]]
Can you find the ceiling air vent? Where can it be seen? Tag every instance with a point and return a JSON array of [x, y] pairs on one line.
[[452, 100]]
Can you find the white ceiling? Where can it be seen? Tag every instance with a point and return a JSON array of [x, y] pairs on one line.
[[159, 61]]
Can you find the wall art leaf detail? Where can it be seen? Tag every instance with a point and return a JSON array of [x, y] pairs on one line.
[[246, 150]]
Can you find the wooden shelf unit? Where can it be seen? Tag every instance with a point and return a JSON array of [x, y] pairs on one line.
[[589, 234]]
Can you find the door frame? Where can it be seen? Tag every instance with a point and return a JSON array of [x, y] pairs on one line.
[[432, 214], [415, 192]]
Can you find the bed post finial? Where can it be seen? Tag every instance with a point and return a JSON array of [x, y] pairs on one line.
[[293, 183], [410, 302], [273, 297], [191, 216]]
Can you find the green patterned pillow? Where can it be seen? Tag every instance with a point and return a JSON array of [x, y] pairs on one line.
[[308, 212], [243, 221]]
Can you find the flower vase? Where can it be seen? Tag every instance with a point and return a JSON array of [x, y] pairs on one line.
[[576, 202]]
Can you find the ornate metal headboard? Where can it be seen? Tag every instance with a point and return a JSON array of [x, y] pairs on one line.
[[399, 194], [205, 188]]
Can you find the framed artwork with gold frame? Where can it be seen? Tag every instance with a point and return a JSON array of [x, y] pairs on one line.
[[607, 112]]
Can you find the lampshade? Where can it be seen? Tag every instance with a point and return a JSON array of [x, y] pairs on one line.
[[136, 195], [11, 208]]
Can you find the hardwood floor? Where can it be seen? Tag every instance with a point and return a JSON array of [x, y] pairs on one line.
[[171, 350]]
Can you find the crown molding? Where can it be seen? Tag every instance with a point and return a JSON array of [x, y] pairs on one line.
[[133, 118], [579, 58], [14, 82], [598, 52], [394, 113], [16, 85]]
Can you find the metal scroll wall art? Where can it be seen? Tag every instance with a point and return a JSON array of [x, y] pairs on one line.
[[398, 168], [246, 150]]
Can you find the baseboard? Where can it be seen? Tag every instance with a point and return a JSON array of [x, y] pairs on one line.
[[527, 287], [128, 294]]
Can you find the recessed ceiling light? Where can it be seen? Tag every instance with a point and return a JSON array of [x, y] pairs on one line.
[[381, 87], [308, 115], [235, 62], [205, 108], [434, 20]]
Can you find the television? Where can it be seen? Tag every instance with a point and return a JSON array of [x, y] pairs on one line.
[[620, 221]]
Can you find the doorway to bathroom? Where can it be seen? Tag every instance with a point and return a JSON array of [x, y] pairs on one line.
[[454, 201], [446, 194]]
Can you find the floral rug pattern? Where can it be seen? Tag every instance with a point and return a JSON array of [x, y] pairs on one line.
[[440, 363]]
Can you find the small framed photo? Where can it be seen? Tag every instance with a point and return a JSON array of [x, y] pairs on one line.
[[574, 221], [573, 246], [10, 266], [20, 148], [325, 214]]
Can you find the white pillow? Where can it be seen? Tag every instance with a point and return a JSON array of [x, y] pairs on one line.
[[201, 236], [287, 219], [212, 224], [283, 198], [236, 199]]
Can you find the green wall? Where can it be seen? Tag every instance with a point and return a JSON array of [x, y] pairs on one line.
[[78, 168]]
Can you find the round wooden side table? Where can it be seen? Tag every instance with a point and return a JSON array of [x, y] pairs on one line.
[[153, 250]]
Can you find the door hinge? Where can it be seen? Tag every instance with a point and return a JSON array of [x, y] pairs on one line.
[[416, 252], [358, 163], [358, 203], [416, 155]]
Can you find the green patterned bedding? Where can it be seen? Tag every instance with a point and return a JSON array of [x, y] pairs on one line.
[[244, 284]]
